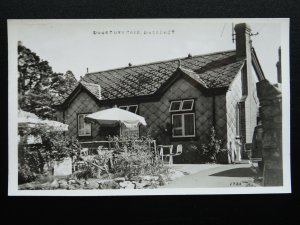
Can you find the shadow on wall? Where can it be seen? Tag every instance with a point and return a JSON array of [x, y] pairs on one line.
[[238, 172]]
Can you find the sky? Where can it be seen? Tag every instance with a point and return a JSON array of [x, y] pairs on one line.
[[80, 44]]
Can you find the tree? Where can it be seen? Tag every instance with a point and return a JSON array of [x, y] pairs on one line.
[[62, 83], [38, 85], [70, 79], [34, 82]]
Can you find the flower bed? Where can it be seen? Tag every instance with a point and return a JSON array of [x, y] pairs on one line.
[[134, 166]]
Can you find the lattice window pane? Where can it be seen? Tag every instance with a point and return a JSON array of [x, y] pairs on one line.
[[177, 125], [175, 106], [84, 129], [187, 105], [189, 124], [132, 108], [123, 107]]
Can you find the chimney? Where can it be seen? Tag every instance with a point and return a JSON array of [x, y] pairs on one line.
[[243, 42], [278, 65]]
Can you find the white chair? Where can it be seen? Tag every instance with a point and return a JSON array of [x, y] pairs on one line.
[[178, 152], [161, 150]]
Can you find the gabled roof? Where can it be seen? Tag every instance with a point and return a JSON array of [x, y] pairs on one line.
[[58, 100], [211, 71], [93, 88]]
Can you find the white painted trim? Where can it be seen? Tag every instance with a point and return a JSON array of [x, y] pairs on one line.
[[191, 106], [182, 122], [180, 101], [127, 107], [83, 135]]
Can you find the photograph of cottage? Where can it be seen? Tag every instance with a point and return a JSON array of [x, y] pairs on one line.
[[183, 98], [212, 119]]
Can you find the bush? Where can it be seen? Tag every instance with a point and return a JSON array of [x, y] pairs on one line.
[[223, 156], [137, 163], [197, 152], [191, 154], [136, 159], [54, 147], [25, 174], [129, 160], [98, 165], [211, 149]]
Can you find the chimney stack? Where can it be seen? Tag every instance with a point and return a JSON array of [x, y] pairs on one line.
[[242, 40]]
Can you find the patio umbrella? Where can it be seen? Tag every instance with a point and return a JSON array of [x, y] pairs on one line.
[[116, 116], [28, 119], [55, 125]]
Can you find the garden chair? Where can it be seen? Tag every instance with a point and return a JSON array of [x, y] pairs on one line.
[[161, 151], [178, 152]]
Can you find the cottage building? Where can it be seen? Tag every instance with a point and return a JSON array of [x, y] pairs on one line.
[[181, 99]]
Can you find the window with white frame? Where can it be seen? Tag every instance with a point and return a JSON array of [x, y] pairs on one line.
[[84, 129], [182, 105], [130, 108], [183, 118]]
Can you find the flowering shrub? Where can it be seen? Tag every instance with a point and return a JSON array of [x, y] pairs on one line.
[[99, 165], [138, 160], [131, 158], [213, 147], [197, 152], [137, 163]]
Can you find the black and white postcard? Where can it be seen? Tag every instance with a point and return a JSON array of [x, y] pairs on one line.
[[107, 107]]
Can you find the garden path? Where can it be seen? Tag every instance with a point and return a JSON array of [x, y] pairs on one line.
[[214, 175]]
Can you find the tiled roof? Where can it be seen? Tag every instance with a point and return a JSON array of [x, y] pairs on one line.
[[93, 88], [61, 98], [214, 70]]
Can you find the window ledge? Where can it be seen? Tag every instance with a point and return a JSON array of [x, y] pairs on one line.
[[184, 138]]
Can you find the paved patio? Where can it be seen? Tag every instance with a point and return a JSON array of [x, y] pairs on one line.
[[214, 175]]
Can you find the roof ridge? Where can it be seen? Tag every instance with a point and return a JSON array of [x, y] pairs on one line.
[[161, 61]]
